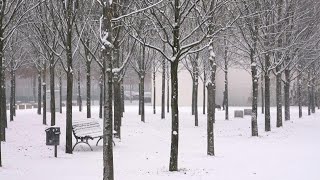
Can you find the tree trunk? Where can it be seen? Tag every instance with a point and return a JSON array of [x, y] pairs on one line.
[[139, 98], [211, 103], [52, 93], [262, 95], [79, 92], [309, 93], [12, 105], [299, 95], [168, 92], [39, 92], [122, 100], [267, 98], [106, 28], [44, 99], [88, 68], [204, 89], [154, 89], [69, 82], [278, 95], [210, 119], [287, 95], [163, 89], [60, 92], [117, 107], [173, 165], [313, 105], [34, 84], [254, 123], [226, 82], [101, 96], [142, 110], [193, 96], [195, 90], [3, 105]]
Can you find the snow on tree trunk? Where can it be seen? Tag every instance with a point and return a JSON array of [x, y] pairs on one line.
[[211, 102], [195, 90], [254, 123], [106, 31]]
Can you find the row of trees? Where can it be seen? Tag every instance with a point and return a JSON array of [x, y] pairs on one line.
[[269, 38]]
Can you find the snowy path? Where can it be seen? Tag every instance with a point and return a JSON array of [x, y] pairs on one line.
[[287, 153]]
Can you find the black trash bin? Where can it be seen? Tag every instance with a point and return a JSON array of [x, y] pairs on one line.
[[53, 136]]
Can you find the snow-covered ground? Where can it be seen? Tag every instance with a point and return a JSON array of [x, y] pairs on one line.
[[287, 153]]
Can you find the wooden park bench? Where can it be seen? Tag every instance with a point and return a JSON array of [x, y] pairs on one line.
[[87, 130]]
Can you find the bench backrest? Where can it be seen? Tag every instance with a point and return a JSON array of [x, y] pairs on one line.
[[86, 127]]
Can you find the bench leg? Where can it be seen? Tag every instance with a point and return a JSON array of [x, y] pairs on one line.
[[102, 138], [98, 141], [85, 142]]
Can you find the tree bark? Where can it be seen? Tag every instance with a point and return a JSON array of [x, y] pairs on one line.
[[267, 97], [69, 78], [211, 103], [79, 92], [168, 91], [278, 96], [254, 123], [287, 95], [262, 94], [39, 91], [226, 82], [60, 92], [106, 28], [12, 105], [142, 110], [299, 94], [204, 90], [173, 165], [117, 107], [88, 68], [163, 88], [154, 89], [52, 93], [101, 96], [44, 99], [309, 93]]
